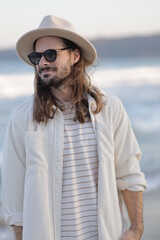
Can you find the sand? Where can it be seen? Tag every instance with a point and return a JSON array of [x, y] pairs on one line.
[[151, 219], [151, 215]]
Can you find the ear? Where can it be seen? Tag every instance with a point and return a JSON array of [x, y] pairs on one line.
[[75, 56]]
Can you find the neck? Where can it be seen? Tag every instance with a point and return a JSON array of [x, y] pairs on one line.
[[63, 94]]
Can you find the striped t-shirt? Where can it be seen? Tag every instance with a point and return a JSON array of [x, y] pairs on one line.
[[80, 177]]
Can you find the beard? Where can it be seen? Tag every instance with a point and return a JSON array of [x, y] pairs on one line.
[[55, 81]]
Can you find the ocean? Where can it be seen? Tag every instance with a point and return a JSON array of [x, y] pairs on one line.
[[136, 81]]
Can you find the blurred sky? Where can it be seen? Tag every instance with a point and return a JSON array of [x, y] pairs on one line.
[[91, 18]]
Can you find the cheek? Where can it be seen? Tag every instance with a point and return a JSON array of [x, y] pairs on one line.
[[37, 68], [62, 60]]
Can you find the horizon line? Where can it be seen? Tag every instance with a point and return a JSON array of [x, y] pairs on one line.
[[118, 37]]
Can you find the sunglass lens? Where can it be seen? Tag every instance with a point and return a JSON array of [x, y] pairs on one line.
[[35, 57], [50, 55]]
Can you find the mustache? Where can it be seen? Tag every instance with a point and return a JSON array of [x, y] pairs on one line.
[[42, 69]]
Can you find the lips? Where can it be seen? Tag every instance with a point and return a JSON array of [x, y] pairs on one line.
[[47, 70]]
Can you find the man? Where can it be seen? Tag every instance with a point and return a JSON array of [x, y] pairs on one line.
[[70, 155]]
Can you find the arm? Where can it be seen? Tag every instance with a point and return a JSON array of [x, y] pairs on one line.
[[128, 172], [18, 231], [13, 172], [134, 204]]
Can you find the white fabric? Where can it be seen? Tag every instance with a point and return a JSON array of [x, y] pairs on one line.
[[33, 163], [79, 218]]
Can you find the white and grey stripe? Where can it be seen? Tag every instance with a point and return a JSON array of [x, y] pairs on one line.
[[79, 186]]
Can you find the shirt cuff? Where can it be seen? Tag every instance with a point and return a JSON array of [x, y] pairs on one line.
[[137, 188], [14, 219]]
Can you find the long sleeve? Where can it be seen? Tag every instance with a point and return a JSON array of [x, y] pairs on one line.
[[127, 154], [13, 172]]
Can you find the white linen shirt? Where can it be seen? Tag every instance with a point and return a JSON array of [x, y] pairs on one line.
[[33, 164]]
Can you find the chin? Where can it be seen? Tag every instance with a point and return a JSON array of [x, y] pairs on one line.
[[51, 82], [47, 78]]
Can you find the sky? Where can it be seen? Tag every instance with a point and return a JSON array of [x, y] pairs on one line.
[[91, 18]]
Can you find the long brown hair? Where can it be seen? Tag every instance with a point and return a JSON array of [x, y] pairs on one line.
[[46, 105]]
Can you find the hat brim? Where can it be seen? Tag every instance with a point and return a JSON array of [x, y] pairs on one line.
[[24, 45]]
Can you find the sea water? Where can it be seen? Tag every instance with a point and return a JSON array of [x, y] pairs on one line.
[[136, 81]]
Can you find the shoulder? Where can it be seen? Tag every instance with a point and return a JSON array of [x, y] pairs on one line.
[[113, 110], [22, 113], [112, 103], [111, 99]]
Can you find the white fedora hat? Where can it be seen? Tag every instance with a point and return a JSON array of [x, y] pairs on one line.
[[54, 26]]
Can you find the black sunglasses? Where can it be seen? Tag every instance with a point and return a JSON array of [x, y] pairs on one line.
[[50, 55]]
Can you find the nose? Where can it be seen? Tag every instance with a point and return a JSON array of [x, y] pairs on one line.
[[43, 61]]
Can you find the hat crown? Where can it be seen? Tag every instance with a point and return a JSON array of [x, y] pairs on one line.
[[56, 22]]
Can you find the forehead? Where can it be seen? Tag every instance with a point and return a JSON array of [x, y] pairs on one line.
[[48, 42]]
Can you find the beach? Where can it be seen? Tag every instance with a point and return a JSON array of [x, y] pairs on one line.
[[151, 215]]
